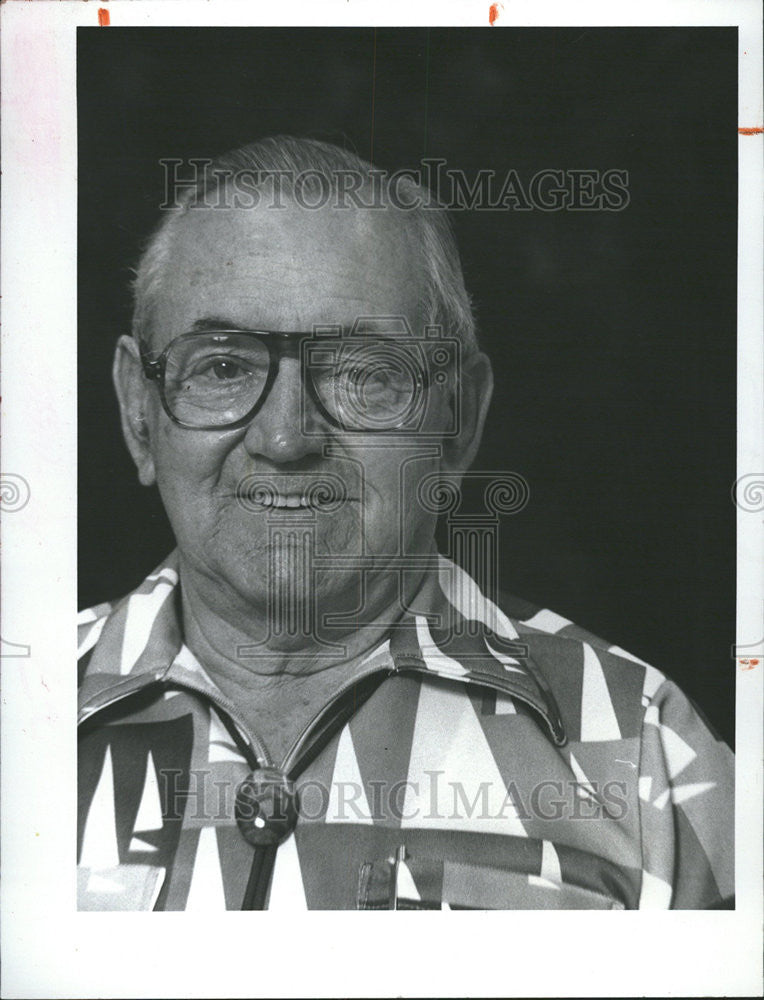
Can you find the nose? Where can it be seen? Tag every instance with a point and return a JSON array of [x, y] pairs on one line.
[[287, 427]]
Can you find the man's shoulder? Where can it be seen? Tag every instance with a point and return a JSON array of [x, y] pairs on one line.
[[90, 623], [585, 671], [541, 627], [141, 605], [568, 656]]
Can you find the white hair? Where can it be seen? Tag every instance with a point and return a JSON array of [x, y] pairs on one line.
[[447, 303]]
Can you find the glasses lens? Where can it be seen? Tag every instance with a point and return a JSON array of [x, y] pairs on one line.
[[215, 379], [370, 386]]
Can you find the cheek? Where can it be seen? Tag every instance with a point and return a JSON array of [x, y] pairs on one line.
[[188, 466], [392, 503]]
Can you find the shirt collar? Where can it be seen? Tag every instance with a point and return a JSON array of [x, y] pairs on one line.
[[450, 630]]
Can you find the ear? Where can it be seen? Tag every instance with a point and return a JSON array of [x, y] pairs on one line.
[[133, 395], [476, 389]]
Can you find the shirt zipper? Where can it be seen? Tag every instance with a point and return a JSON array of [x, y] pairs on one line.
[[260, 754], [264, 857]]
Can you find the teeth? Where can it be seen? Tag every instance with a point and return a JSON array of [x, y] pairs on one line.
[[282, 501]]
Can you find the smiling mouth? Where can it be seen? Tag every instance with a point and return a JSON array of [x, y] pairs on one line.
[[267, 497], [290, 501]]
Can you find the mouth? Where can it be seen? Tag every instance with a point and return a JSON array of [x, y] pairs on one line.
[[325, 496], [278, 501]]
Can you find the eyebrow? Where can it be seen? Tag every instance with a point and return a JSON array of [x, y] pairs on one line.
[[218, 323], [208, 323]]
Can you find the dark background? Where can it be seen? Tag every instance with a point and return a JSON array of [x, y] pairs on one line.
[[612, 334]]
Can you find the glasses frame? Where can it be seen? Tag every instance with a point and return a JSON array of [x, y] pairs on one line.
[[279, 344]]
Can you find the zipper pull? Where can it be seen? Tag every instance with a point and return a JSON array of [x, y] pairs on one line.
[[266, 807]]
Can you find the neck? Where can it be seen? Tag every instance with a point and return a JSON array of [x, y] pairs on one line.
[[280, 683]]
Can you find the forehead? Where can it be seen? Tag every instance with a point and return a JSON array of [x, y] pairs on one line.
[[287, 267]]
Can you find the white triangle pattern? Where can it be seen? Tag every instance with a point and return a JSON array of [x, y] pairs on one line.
[[598, 718], [678, 754], [405, 886], [287, 889], [136, 844], [221, 746], [655, 894], [544, 883], [100, 848], [584, 786], [617, 651], [186, 660], [681, 793], [448, 737], [206, 893], [550, 863], [92, 637], [434, 659], [382, 650], [465, 595], [510, 664], [165, 573], [653, 678], [505, 705], [142, 610], [347, 796], [150, 810], [645, 787], [547, 621]]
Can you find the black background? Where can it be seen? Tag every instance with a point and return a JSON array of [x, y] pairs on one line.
[[612, 333]]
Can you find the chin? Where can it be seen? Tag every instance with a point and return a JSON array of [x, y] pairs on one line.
[[277, 584]]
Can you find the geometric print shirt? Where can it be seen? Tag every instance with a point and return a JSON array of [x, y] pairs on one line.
[[487, 756]]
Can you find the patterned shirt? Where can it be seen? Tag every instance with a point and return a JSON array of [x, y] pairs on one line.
[[486, 757]]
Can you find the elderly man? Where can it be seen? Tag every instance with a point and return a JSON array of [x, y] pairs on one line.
[[305, 705]]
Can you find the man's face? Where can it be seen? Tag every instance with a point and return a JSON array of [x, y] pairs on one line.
[[287, 269]]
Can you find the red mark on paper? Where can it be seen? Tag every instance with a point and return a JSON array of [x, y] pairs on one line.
[[493, 12], [749, 664], [103, 17], [750, 131]]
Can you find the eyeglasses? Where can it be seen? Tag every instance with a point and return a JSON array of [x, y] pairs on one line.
[[221, 378]]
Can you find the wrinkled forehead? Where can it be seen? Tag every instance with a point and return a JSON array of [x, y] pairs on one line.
[[289, 268]]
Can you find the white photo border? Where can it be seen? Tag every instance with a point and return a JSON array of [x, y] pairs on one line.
[[51, 950]]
